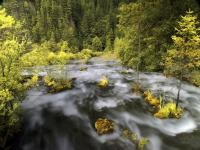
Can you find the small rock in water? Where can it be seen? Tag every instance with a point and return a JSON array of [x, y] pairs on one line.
[[104, 126]]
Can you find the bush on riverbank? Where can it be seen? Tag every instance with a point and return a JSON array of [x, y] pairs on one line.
[[41, 55]]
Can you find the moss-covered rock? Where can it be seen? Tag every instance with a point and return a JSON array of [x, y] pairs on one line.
[[57, 85], [104, 126], [169, 110], [104, 82], [140, 143]]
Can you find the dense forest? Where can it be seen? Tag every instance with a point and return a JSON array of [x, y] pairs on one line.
[[145, 35]]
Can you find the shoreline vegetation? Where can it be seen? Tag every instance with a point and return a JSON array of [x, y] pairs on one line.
[[161, 36]]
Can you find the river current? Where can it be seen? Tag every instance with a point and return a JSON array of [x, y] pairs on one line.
[[65, 120]]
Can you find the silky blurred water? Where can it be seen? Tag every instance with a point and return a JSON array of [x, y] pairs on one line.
[[65, 120]]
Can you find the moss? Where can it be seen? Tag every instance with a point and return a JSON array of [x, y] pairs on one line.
[[139, 142], [151, 99], [142, 143], [103, 83], [104, 126], [169, 110], [83, 68], [30, 81], [57, 85], [124, 72]]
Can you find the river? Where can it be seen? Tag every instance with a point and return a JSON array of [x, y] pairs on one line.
[[65, 120]]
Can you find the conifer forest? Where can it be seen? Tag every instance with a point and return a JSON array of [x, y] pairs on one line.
[[100, 75]]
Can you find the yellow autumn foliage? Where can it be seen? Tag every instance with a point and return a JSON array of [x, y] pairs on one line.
[[169, 110], [151, 99], [104, 82], [57, 85], [104, 126]]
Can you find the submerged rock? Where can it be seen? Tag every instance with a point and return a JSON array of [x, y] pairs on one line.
[[104, 126]]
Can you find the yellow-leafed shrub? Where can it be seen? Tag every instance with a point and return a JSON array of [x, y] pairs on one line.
[[169, 110], [57, 85], [31, 82], [151, 99]]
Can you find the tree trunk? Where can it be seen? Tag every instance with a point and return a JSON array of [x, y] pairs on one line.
[[178, 94], [139, 50]]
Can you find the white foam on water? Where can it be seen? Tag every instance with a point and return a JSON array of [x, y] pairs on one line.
[[106, 103], [170, 127]]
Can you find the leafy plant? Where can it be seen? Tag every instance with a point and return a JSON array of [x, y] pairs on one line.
[[57, 85], [169, 110]]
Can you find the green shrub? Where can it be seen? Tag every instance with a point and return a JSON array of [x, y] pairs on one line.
[[57, 85]]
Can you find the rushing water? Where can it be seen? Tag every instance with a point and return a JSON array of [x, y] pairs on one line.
[[65, 121]]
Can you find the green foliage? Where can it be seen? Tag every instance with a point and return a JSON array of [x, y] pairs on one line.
[[76, 22], [184, 57], [97, 44], [57, 85], [42, 55], [147, 26], [13, 45], [31, 82]]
